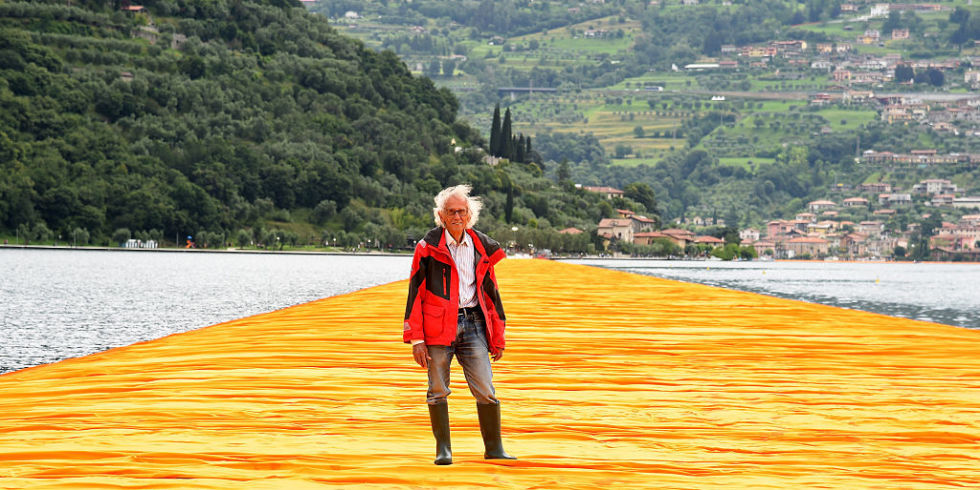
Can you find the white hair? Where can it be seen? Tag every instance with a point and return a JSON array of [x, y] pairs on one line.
[[472, 203]]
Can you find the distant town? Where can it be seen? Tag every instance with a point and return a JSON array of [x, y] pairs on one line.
[[874, 224]]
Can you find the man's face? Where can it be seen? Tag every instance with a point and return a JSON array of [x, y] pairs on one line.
[[455, 215]]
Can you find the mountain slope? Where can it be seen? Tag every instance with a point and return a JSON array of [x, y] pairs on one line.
[[200, 115]]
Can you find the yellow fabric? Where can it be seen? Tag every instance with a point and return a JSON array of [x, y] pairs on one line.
[[609, 380]]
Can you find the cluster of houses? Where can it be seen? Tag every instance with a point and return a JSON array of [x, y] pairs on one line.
[[637, 229], [946, 116], [843, 58], [960, 239], [840, 59], [819, 232], [807, 236], [918, 158], [630, 227]]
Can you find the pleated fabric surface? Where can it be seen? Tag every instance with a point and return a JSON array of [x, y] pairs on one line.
[[609, 379]]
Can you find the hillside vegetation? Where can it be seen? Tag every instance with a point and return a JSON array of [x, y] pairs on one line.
[[244, 122]]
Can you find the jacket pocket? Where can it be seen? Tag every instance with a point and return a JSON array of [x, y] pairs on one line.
[[432, 320], [438, 278]]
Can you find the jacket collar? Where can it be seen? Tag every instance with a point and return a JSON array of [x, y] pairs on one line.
[[434, 237]]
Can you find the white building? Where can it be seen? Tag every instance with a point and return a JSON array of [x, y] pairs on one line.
[[966, 202], [749, 234]]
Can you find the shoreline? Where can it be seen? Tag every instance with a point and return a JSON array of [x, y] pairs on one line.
[[408, 254], [200, 250], [659, 259]]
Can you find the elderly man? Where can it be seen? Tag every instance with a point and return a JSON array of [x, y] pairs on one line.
[[454, 309]]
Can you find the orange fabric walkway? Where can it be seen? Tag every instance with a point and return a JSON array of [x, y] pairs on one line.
[[610, 379]]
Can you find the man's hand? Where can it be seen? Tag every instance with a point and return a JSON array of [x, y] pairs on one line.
[[421, 353], [498, 355]]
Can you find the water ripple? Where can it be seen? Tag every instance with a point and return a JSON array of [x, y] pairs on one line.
[[57, 304], [941, 293]]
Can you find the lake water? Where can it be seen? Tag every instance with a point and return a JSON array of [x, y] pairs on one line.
[[941, 293], [56, 304]]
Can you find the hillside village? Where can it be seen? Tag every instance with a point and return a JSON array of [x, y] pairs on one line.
[[874, 224], [857, 75]]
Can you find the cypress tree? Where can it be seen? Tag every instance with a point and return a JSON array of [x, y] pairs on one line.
[[527, 150], [495, 132], [506, 139], [519, 150]]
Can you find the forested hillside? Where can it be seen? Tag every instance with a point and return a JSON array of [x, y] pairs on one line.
[[251, 122]]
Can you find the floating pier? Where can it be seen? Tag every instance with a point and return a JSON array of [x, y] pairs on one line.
[[610, 379]]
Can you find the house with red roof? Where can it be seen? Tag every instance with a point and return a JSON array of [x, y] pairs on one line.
[[812, 246], [709, 240], [647, 237], [616, 229], [608, 192], [815, 206], [679, 236]]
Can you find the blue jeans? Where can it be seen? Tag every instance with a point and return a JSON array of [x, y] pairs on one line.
[[470, 347]]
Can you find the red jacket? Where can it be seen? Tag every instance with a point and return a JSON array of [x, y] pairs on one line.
[[433, 291]]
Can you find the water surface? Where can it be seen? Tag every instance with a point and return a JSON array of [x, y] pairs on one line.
[[56, 304], [942, 293]]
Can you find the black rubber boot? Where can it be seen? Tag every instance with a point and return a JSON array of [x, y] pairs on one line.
[[439, 416], [489, 415]]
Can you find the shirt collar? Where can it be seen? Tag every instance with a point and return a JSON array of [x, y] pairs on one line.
[[450, 241]]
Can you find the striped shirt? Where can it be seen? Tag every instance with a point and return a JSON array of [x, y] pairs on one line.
[[463, 257]]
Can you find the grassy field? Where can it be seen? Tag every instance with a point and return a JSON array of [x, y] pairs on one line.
[[634, 162], [854, 118], [670, 81], [612, 124], [574, 39], [836, 30], [562, 47], [614, 121]]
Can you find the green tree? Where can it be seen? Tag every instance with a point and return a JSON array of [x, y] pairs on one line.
[[433, 69], [959, 15], [448, 67], [506, 138], [495, 132], [904, 73], [642, 193], [519, 147], [893, 22], [80, 236], [323, 211], [121, 236], [564, 173]]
